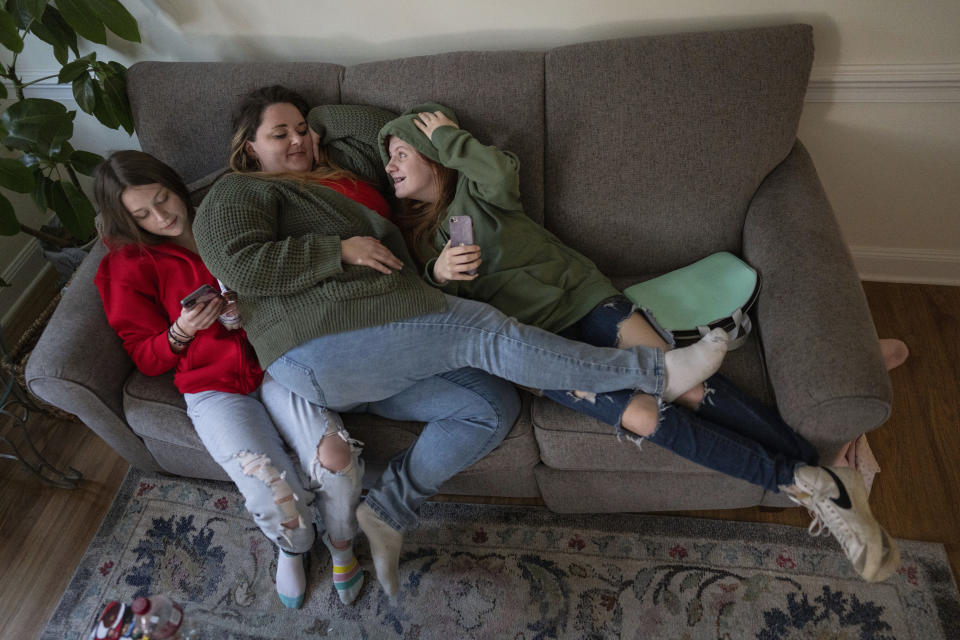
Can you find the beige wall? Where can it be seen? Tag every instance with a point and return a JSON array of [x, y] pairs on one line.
[[886, 139]]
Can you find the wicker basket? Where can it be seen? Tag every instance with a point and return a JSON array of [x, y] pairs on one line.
[[17, 362]]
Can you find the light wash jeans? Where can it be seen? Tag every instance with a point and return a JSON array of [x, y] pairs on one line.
[[248, 436], [425, 368]]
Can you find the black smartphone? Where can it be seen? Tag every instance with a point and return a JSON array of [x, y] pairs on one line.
[[205, 293], [461, 233]]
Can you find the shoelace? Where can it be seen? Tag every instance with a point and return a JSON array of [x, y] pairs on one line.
[[818, 526]]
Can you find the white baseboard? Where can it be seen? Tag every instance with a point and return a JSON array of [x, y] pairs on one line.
[[920, 266], [24, 274]]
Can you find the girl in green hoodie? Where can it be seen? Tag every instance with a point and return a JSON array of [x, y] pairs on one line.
[[524, 270], [439, 171]]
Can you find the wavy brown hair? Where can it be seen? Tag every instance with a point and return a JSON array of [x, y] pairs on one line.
[[247, 119], [124, 169], [419, 221]]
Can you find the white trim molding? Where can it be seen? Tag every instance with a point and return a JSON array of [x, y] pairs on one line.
[[49, 88], [918, 266], [885, 83]]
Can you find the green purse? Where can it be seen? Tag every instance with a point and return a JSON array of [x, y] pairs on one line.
[[717, 291]]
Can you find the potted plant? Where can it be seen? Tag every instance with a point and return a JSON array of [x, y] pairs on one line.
[[36, 132]]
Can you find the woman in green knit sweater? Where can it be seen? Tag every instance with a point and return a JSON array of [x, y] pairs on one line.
[[337, 313], [439, 171]]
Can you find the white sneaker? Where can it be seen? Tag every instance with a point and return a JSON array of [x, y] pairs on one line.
[[837, 499]]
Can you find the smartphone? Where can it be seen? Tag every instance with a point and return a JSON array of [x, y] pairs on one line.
[[461, 233], [204, 293]]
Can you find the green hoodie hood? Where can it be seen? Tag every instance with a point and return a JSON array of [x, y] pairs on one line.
[[404, 128]]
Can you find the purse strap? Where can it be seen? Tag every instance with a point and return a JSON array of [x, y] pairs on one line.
[[742, 326]]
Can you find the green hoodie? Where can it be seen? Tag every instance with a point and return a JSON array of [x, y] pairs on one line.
[[526, 271]]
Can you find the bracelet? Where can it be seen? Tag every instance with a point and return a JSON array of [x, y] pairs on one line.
[[177, 335]]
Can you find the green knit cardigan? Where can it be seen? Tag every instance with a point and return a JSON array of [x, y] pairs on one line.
[[277, 244]]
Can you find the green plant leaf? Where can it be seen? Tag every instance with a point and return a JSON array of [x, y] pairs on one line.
[[73, 70], [9, 225], [26, 10], [37, 125], [85, 94], [34, 7], [20, 16], [116, 18], [74, 209], [115, 97], [63, 32], [3, 91], [9, 36], [41, 190], [43, 32], [80, 15], [86, 162], [15, 176], [101, 111]]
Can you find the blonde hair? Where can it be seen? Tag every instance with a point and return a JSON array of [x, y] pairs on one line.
[[247, 119]]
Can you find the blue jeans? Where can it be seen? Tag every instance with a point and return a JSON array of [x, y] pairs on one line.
[[735, 434], [731, 432], [249, 442], [601, 328], [425, 368]]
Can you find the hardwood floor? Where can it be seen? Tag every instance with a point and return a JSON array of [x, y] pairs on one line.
[[44, 531]]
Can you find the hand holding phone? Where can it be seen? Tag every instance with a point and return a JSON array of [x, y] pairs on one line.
[[205, 293], [200, 309], [460, 257]]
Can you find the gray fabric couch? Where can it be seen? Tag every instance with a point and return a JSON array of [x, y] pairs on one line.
[[644, 153]]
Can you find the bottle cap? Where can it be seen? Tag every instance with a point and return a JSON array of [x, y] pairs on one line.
[[140, 606]]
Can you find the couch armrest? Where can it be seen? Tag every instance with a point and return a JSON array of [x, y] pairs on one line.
[[821, 349], [79, 365]]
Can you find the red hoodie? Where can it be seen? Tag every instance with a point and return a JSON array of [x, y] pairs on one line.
[[141, 288]]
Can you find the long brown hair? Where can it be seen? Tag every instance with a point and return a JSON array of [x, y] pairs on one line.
[[419, 221], [124, 169], [247, 119]]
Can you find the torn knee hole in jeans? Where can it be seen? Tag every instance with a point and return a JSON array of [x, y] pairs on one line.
[[620, 324], [257, 465], [707, 392], [354, 447]]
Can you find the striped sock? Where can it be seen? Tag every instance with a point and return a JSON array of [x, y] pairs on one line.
[[347, 574]]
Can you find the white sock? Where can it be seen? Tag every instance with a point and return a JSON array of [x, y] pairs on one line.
[[347, 574], [689, 366], [385, 543], [291, 580]]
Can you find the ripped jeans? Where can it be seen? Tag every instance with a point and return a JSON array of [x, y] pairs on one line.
[[731, 432], [248, 435]]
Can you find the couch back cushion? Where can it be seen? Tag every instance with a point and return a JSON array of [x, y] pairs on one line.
[[655, 145], [498, 97], [183, 110]]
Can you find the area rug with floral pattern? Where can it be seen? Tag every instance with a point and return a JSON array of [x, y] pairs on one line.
[[479, 571]]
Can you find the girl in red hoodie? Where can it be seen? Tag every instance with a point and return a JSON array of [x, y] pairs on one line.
[[152, 265]]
